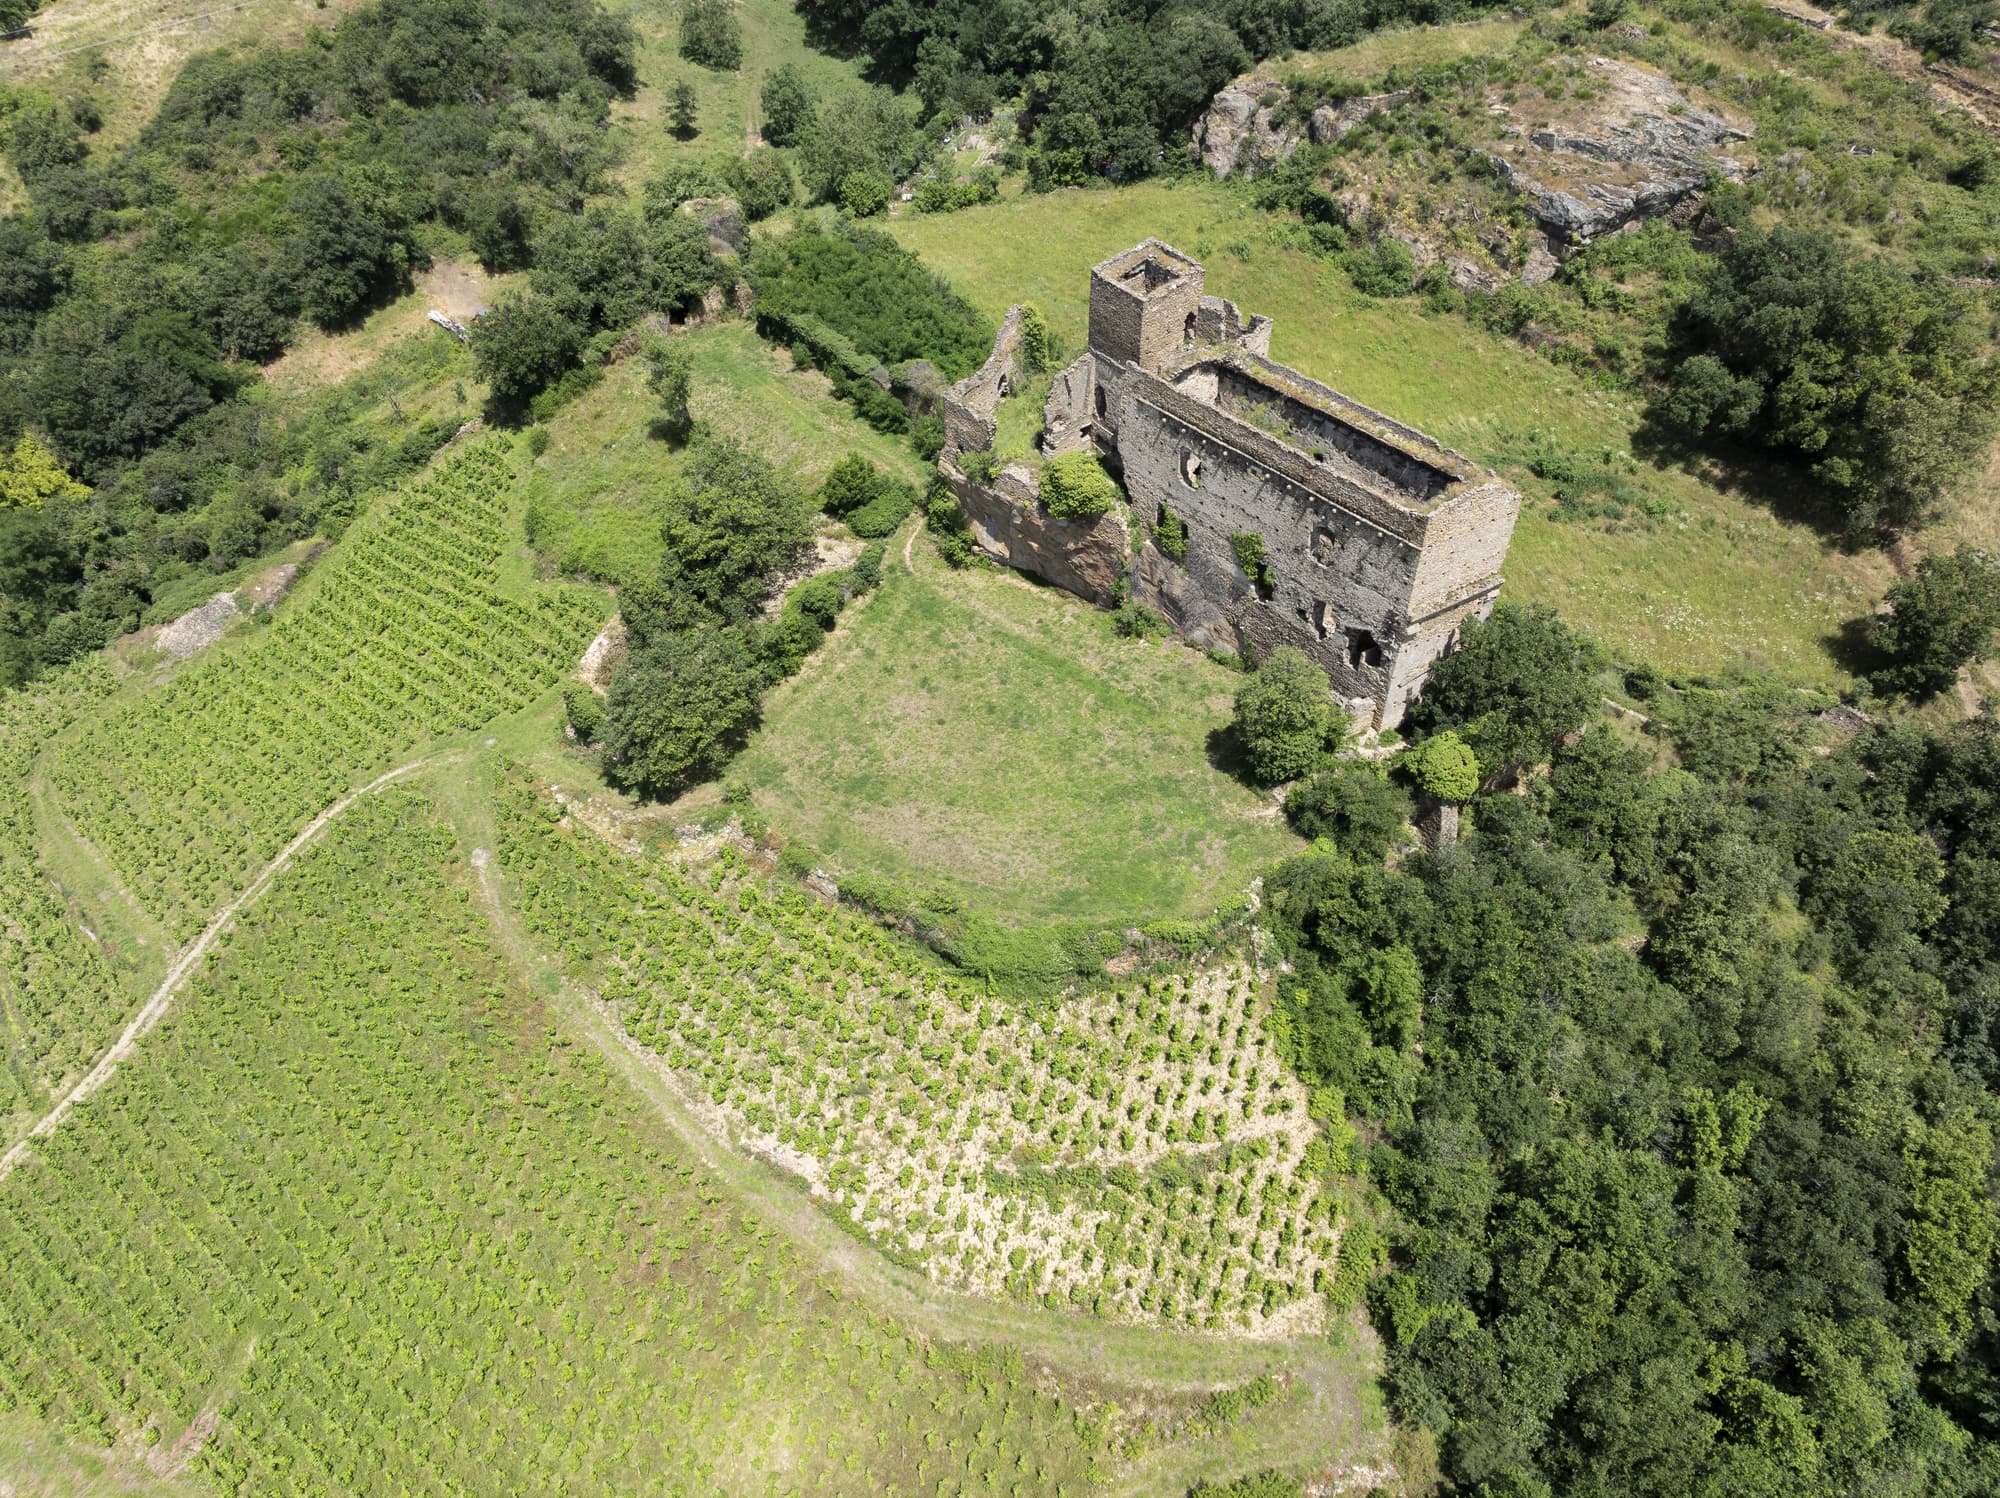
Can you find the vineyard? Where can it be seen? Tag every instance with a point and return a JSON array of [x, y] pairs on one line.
[[1140, 1154], [359, 1220], [60, 999], [410, 632]]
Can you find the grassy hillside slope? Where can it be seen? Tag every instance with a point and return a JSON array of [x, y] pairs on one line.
[[1722, 581]]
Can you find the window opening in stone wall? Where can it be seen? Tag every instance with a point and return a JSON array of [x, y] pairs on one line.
[[1323, 619], [1100, 402], [1324, 546], [1362, 649], [1187, 331], [1190, 468]]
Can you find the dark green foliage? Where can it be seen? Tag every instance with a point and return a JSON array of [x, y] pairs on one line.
[[927, 437], [593, 267], [523, 345], [1517, 682], [683, 112], [865, 287], [872, 503], [948, 195], [678, 181], [691, 687], [1074, 486], [1648, 1240], [1874, 380], [731, 522], [711, 35], [1939, 620], [1353, 805], [270, 185], [867, 131], [945, 522], [867, 569], [584, 712], [1249, 550], [865, 194], [979, 465], [1285, 717], [1170, 534], [789, 105], [681, 705], [762, 183], [1135, 621], [1385, 268]]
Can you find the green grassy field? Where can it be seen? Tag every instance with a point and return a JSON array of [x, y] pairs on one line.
[[728, 112], [976, 728], [593, 490], [1722, 581]]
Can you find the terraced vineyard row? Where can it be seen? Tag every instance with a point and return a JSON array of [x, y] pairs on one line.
[[1141, 1154], [60, 1000], [357, 1220], [406, 635]]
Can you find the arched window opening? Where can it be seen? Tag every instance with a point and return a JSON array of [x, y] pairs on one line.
[[1190, 468]]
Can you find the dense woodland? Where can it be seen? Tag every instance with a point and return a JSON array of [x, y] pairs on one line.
[[1676, 1076], [271, 189]]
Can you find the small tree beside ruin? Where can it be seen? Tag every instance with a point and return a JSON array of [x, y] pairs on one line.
[[1285, 717]]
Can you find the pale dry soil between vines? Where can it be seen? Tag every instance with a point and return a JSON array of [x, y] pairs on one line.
[[1332, 1420]]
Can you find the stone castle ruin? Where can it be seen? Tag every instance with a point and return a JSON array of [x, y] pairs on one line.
[[1270, 510]]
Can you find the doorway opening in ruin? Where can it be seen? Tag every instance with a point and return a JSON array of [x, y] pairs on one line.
[[1100, 402], [1187, 331], [1323, 620], [1362, 649]]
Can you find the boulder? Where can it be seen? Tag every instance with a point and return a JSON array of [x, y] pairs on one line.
[[728, 230], [1239, 133], [1540, 266]]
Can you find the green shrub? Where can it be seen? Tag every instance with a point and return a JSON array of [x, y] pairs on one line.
[[849, 484], [1170, 534], [1135, 621], [1076, 487], [927, 437], [1353, 805], [864, 194], [1939, 620], [881, 515], [1249, 549], [867, 569], [584, 711], [979, 465], [1444, 766], [1285, 717], [946, 522]]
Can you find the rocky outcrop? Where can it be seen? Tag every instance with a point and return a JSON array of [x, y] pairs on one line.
[[1084, 557], [1241, 134], [1246, 129], [1335, 119], [1639, 150], [728, 231]]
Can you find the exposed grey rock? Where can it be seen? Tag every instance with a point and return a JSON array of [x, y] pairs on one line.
[[1540, 266], [1239, 133], [1332, 121], [1644, 150], [728, 232], [1469, 276]]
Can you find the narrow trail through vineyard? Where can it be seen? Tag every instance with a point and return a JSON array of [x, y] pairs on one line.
[[162, 998], [1334, 1419]]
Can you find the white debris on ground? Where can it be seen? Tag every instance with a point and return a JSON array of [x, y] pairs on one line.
[[198, 629]]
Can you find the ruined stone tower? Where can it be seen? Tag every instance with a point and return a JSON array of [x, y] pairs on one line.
[[1272, 509]]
